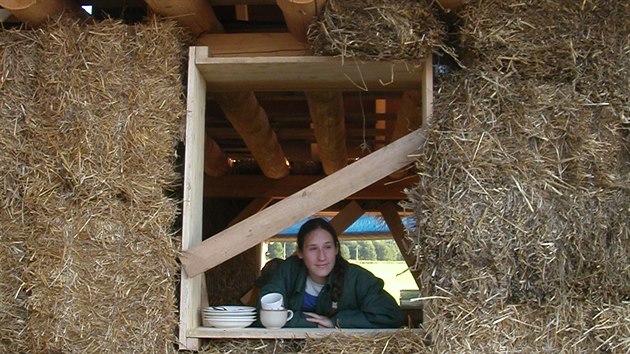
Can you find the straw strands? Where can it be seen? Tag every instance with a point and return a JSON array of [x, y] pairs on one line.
[[18, 54], [376, 29], [403, 342], [522, 234], [103, 114]]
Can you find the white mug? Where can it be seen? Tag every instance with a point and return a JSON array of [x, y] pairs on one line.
[[272, 301], [275, 319]]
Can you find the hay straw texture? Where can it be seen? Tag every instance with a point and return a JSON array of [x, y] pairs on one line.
[[401, 342], [376, 29], [94, 116], [522, 208], [18, 54]]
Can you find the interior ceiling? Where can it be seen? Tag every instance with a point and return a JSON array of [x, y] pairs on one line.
[[369, 115]]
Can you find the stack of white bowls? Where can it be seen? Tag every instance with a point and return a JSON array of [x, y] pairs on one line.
[[228, 316]]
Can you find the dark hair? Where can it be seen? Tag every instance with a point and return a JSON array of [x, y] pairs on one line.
[[340, 263]]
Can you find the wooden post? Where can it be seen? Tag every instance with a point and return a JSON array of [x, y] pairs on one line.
[[408, 118], [327, 113], [346, 217], [396, 227], [192, 205], [216, 164]]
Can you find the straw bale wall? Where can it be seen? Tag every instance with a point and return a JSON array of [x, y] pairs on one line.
[[522, 234], [91, 117]]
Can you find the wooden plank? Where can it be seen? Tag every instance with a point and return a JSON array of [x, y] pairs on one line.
[[252, 45], [192, 204], [397, 228], [303, 73], [426, 90], [285, 333], [253, 186], [346, 217], [320, 195]]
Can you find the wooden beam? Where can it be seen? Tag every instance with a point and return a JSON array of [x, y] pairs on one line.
[[396, 227], [290, 333], [251, 122], [192, 203], [252, 45], [408, 118], [320, 195], [299, 14], [215, 162], [346, 217], [256, 186], [252, 208], [196, 15], [36, 13], [303, 73], [327, 113]]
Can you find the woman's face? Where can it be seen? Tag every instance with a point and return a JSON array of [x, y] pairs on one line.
[[319, 254]]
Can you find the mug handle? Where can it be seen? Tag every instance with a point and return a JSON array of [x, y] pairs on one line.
[[290, 315]]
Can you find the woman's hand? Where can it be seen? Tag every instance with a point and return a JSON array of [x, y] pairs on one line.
[[322, 321]]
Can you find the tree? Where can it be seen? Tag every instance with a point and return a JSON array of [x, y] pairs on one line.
[[289, 248], [345, 251], [352, 249], [385, 251], [367, 251], [275, 250]]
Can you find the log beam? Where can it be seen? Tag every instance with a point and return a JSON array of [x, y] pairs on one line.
[[196, 15], [215, 162], [37, 12], [327, 113], [299, 14], [251, 122]]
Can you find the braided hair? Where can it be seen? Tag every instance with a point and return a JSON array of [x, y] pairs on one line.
[[340, 263]]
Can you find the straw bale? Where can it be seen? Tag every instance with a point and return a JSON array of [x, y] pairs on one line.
[[456, 324], [96, 130], [18, 54], [522, 234], [522, 194], [403, 341], [581, 42], [377, 30]]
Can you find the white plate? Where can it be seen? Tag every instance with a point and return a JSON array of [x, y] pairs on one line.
[[229, 309], [228, 314], [222, 323], [225, 317]]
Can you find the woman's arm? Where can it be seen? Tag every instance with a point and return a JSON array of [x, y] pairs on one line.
[[365, 304]]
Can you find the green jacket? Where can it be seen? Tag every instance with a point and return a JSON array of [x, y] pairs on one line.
[[363, 303]]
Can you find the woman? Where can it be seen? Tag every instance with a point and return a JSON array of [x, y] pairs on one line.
[[324, 290]]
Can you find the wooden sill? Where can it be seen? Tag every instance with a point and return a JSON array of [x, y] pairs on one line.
[[285, 333]]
